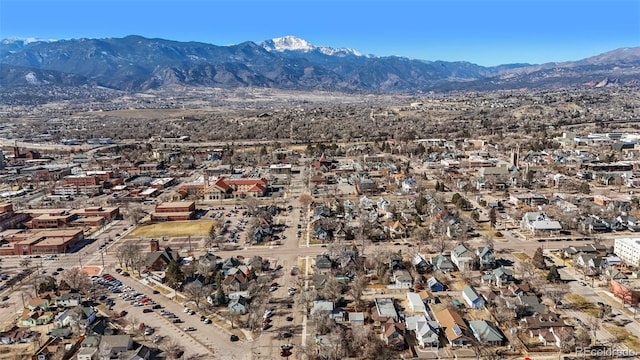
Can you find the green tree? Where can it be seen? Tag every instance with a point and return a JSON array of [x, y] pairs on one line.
[[174, 274], [553, 275], [584, 188]]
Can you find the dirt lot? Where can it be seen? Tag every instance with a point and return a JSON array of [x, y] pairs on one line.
[[172, 228]]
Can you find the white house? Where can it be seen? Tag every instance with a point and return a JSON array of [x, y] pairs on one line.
[[538, 223], [402, 278], [426, 331], [87, 354], [415, 303], [463, 258]]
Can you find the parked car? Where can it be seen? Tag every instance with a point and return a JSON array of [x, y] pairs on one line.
[[234, 338], [189, 328], [147, 310]]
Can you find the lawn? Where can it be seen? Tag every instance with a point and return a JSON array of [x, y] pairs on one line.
[[625, 336], [172, 228], [583, 304], [521, 256]]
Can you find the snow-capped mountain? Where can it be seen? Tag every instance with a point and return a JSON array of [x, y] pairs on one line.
[[14, 44], [293, 43], [24, 41]]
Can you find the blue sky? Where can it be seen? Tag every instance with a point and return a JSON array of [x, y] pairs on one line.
[[482, 32]]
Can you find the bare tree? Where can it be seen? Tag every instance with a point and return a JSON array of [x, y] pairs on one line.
[[76, 279], [356, 289], [422, 236], [197, 293], [172, 348]]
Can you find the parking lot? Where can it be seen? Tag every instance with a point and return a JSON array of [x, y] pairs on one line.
[[164, 320]]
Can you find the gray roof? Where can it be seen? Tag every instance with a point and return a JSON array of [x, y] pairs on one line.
[[471, 293], [118, 341], [386, 308], [485, 331]]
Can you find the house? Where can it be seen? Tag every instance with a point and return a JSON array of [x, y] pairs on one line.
[[70, 299], [463, 258], [142, 353], [238, 304], [593, 224], [158, 260], [420, 263], [531, 304], [323, 263], [402, 278], [396, 230], [236, 281], [416, 304], [321, 307], [539, 322], [117, 343], [539, 224], [472, 298], [486, 332], [562, 337], [42, 303], [455, 329], [383, 310], [499, 277], [426, 331], [393, 334], [87, 354], [356, 318], [442, 263], [434, 285], [35, 317], [486, 257], [208, 261]]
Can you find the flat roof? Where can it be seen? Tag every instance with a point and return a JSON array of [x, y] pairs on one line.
[[176, 204]]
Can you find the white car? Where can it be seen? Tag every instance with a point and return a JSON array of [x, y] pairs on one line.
[[186, 310]]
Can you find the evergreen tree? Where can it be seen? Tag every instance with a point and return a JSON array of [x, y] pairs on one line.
[[492, 217], [553, 275], [174, 274], [538, 259]]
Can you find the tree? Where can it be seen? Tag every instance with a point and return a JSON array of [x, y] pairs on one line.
[[584, 188], [305, 200], [356, 289], [553, 275], [214, 232], [76, 279], [422, 236], [197, 293], [492, 217], [557, 292], [538, 259], [252, 204], [174, 274]]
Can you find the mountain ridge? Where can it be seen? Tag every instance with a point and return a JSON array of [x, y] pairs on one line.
[[136, 63]]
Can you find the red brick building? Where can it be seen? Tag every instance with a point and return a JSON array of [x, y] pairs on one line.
[[42, 242], [80, 180], [174, 211]]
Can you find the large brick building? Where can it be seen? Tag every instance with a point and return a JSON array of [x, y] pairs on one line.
[[174, 211], [40, 242]]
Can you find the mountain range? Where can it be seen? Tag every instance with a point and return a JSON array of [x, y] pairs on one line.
[[135, 63]]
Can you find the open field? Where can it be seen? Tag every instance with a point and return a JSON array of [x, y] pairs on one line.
[[172, 228], [625, 336], [583, 304]]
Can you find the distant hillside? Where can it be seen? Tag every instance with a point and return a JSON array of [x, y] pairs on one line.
[[135, 63]]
